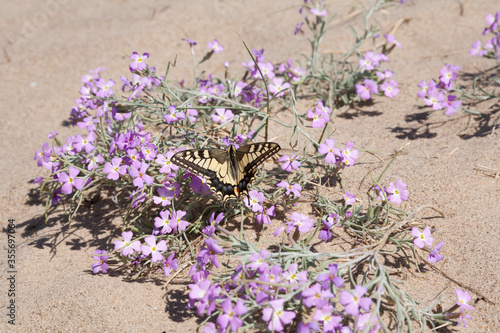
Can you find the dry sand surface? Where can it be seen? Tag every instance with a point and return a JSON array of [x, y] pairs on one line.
[[48, 45]]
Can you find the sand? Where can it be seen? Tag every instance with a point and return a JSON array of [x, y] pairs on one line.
[[48, 45]]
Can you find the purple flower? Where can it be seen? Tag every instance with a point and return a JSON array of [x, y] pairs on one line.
[[230, 314], [370, 61], [451, 104], [392, 40], [177, 223], [209, 229], [353, 301], [254, 200], [365, 91], [266, 69], [435, 256], [265, 216], [292, 276], [163, 221], [154, 249], [426, 87], [163, 196], [222, 115], [100, 256], [174, 115], [43, 156], [328, 149], [302, 221], [215, 46], [290, 162], [307, 328], [463, 299], [114, 169], [276, 315], [397, 193], [462, 318], [477, 49], [127, 247], [319, 119], [170, 265], [318, 12], [88, 123], [325, 316], [85, 143], [422, 238], [138, 172], [70, 180], [295, 188], [277, 87], [105, 88], [330, 277], [211, 251], [390, 88], [349, 198], [434, 99], [164, 161], [138, 63], [316, 296], [258, 261]]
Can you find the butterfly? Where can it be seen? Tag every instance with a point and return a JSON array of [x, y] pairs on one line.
[[228, 172]]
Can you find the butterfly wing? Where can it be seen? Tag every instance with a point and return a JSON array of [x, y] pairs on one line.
[[228, 173], [212, 164]]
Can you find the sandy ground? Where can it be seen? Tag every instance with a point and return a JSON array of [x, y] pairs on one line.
[[48, 45]]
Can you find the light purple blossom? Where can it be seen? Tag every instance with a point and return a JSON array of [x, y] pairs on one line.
[[222, 115], [365, 90], [463, 299], [330, 277], [138, 63], [303, 222], [174, 115], [390, 88], [435, 255], [138, 172], [100, 256], [115, 168], [69, 180], [316, 296], [127, 247], [422, 238], [397, 193], [215, 46], [353, 301], [277, 316], [151, 247], [290, 162], [230, 315], [163, 221], [170, 264], [349, 198]]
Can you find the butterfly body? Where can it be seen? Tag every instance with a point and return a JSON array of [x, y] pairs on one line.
[[228, 173]]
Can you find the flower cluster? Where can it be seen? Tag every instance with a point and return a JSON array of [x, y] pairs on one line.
[[424, 239], [377, 78], [491, 48], [343, 157], [439, 94]]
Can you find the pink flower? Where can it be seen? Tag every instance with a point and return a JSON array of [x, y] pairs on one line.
[[349, 198], [222, 115], [115, 168], [154, 249], [365, 91], [277, 316], [303, 222], [353, 301], [295, 188], [127, 247], [397, 193], [328, 149], [278, 88], [105, 88], [177, 222], [422, 238], [254, 200], [100, 256], [390, 88], [463, 299], [163, 221], [174, 115], [138, 172], [138, 63], [69, 180], [290, 162], [215, 46]]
